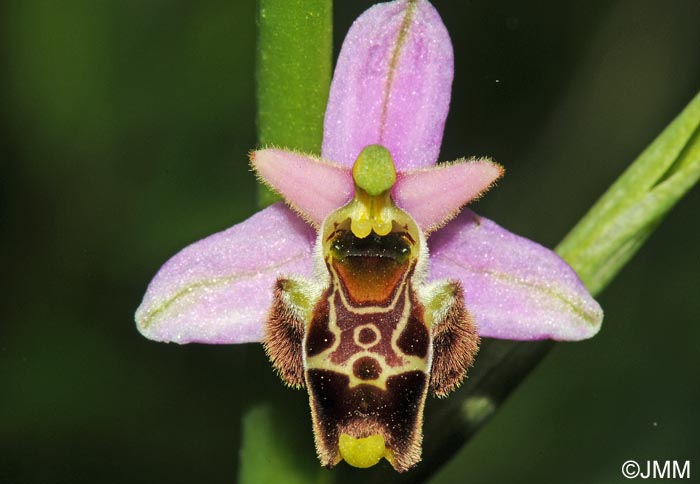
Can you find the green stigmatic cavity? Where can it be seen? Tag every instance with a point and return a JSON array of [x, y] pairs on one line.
[[374, 170]]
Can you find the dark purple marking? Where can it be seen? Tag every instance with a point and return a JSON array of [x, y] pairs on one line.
[[320, 338], [367, 336], [339, 408], [414, 338], [367, 368]]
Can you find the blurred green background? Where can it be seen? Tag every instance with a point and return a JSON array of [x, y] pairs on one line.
[[125, 128]]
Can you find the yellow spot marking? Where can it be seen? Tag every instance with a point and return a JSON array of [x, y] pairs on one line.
[[364, 452]]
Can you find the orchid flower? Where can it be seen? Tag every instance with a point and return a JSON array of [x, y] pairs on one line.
[[368, 287]]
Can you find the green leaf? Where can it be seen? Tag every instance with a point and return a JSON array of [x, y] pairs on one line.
[[619, 223], [293, 75]]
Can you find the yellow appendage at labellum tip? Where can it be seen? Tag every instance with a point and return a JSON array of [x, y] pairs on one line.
[[364, 452]]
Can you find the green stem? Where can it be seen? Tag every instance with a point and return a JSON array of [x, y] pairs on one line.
[[293, 75]]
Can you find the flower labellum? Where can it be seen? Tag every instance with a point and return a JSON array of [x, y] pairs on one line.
[[385, 301], [369, 329]]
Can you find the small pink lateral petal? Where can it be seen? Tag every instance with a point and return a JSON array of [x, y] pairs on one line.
[[435, 195], [513, 287], [219, 290], [391, 86], [311, 186]]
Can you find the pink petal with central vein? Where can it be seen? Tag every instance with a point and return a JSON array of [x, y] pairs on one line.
[[513, 287], [219, 290], [391, 86]]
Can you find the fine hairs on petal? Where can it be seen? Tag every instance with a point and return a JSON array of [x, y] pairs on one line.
[[311, 186], [434, 196], [284, 332], [455, 340]]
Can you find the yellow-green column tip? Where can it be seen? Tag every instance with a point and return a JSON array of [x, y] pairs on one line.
[[374, 170]]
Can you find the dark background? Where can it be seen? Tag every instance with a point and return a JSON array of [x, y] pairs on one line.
[[125, 128]]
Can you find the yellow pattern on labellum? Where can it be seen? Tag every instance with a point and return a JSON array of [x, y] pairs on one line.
[[360, 337], [364, 452]]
